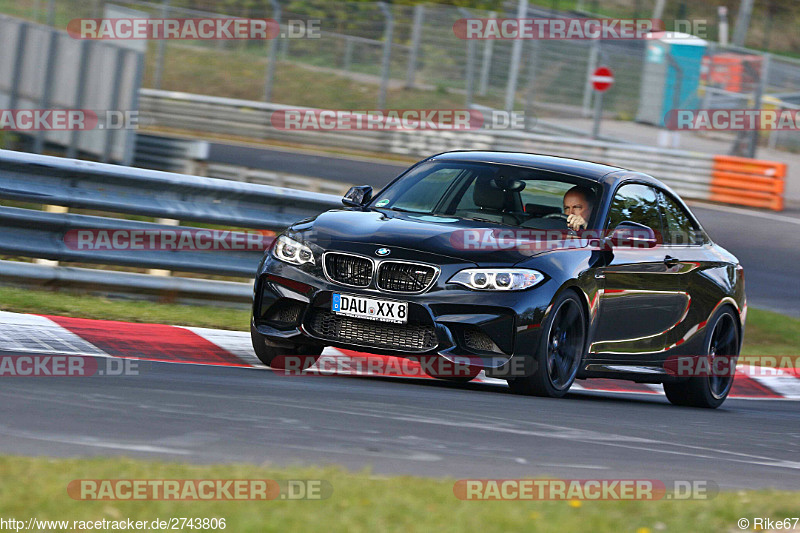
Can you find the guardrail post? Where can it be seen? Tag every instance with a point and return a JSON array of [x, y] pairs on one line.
[[160, 271], [273, 52], [51, 209], [387, 54], [416, 31]]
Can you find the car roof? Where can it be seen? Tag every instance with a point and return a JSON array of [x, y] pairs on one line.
[[575, 167], [606, 175]]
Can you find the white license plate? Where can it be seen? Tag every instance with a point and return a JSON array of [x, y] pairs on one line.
[[370, 308]]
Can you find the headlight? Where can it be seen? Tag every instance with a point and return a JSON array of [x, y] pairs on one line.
[[291, 251], [497, 279]]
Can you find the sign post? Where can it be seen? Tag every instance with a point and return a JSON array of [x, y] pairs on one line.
[[602, 80]]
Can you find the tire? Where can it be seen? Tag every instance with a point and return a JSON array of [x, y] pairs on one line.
[[560, 352], [275, 356], [711, 391]]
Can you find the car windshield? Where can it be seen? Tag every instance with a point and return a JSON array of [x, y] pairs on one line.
[[486, 192]]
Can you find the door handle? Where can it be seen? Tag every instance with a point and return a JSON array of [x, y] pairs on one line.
[[671, 261]]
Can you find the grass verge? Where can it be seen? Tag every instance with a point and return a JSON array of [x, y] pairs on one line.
[[769, 333], [359, 502], [78, 305]]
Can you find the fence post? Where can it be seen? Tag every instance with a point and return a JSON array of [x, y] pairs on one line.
[[51, 13], [387, 54], [591, 66], [284, 49], [742, 22], [47, 87], [760, 88], [129, 151], [416, 31], [348, 52], [530, 120], [513, 67], [16, 78], [119, 64], [488, 47], [80, 93], [162, 48], [470, 70], [273, 52]]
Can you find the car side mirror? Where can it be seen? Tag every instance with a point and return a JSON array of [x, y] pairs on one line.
[[357, 196], [630, 234]]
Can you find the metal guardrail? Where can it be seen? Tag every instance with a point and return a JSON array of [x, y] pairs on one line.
[[46, 180], [124, 283], [83, 184], [168, 153], [688, 172]]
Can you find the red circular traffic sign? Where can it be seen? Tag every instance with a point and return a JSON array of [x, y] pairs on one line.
[[602, 79]]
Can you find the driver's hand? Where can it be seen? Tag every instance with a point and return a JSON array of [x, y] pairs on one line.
[[576, 222]]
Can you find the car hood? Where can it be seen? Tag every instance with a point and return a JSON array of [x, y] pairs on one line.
[[456, 238]]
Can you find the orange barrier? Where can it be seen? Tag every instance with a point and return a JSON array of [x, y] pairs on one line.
[[750, 182]]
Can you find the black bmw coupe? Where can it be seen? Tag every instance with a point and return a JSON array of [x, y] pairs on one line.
[[535, 269]]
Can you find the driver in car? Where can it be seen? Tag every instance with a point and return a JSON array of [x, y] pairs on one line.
[[578, 203]]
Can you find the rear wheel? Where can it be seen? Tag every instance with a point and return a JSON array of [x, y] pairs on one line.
[[710, 391], [291, 356], [559, 353]]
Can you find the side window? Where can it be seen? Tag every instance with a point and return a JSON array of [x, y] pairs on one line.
[[636, 203], [679, 229]]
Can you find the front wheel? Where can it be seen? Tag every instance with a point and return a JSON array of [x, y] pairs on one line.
[[291, 357], [560, 351], [710, 391]]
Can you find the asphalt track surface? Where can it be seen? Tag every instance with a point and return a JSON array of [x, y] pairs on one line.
[[767, 244], [213, 414], [207, 414]]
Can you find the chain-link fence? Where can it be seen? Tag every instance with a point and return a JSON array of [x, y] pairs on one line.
[[369, 54]]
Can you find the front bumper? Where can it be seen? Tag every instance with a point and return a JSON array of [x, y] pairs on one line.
[[292, 306]]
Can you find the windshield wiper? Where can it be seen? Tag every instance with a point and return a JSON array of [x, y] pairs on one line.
[[404, 210]]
